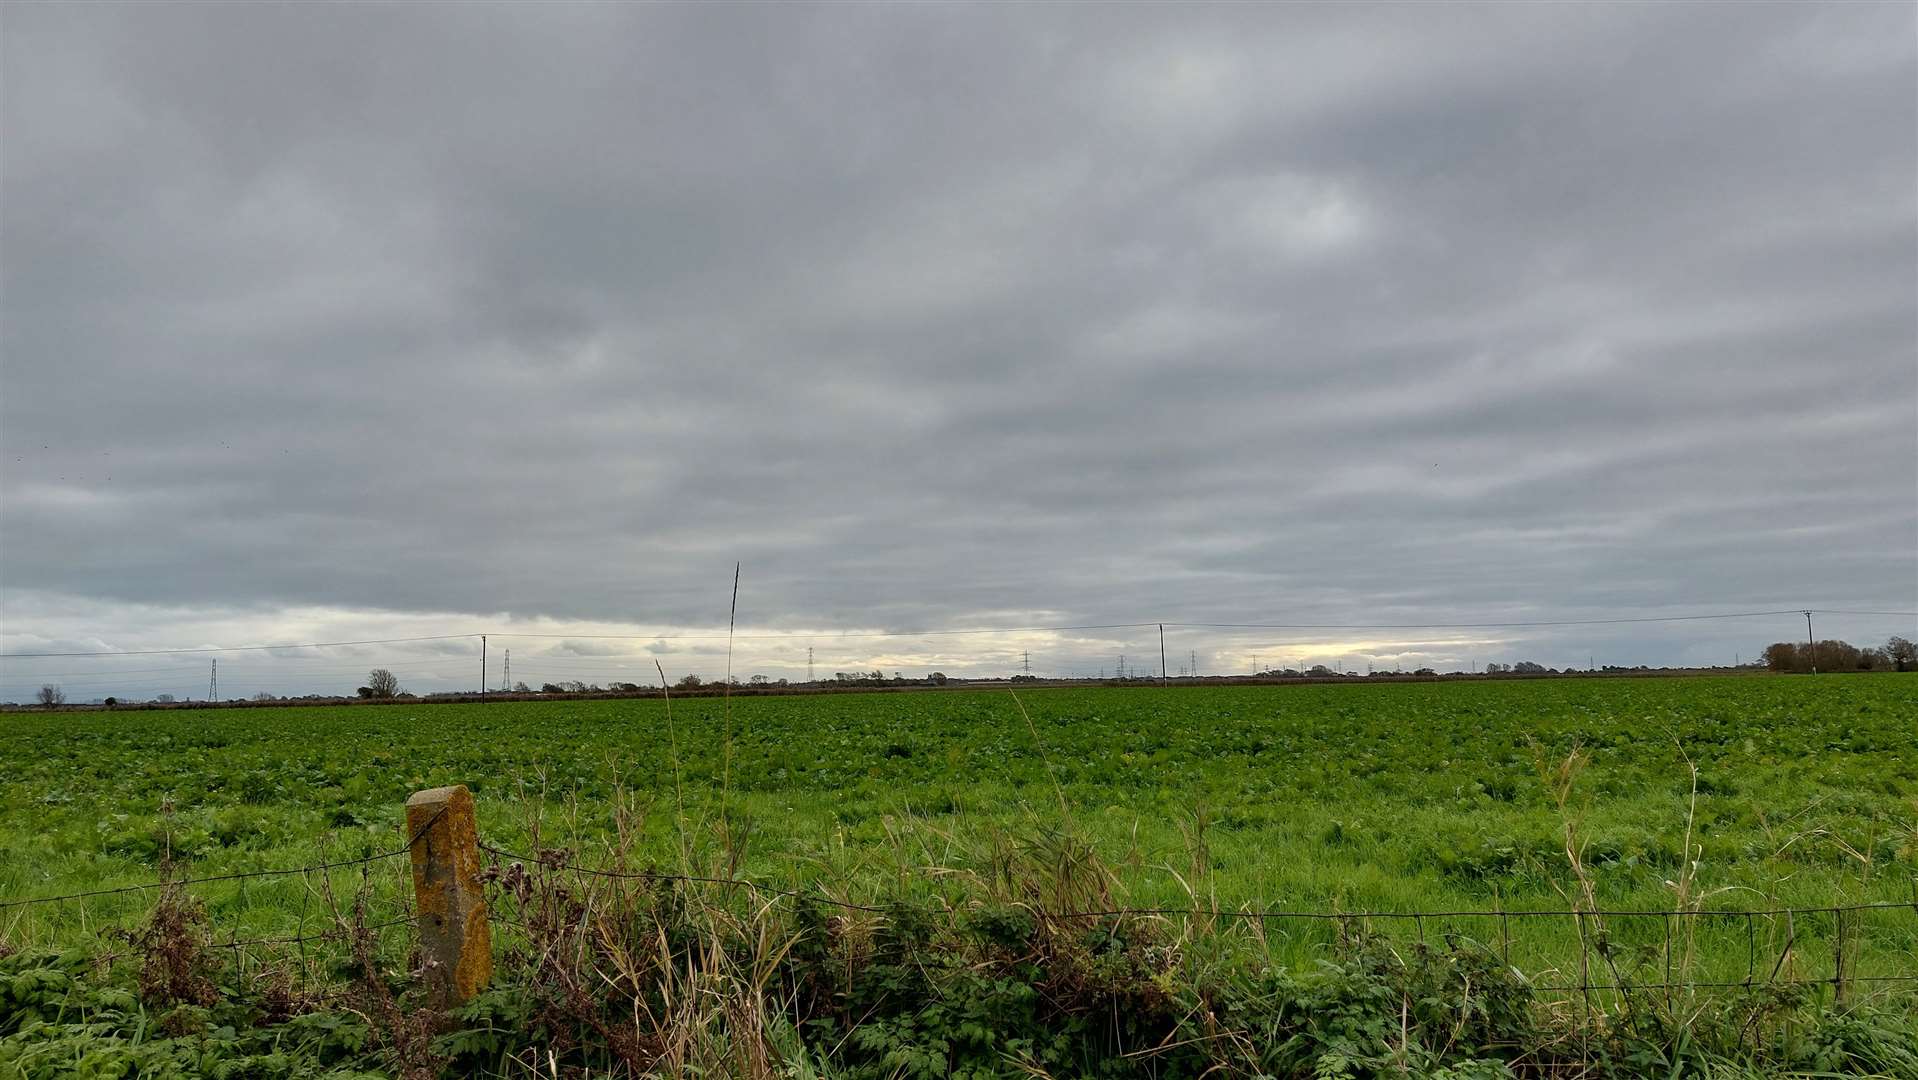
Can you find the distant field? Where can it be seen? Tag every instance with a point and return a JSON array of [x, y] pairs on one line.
[[966, 810], [1345, 798]]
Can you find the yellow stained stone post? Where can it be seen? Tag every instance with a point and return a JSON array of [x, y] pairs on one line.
[[454, 937]]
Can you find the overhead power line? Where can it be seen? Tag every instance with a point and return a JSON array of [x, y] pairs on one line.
[[176, 669], [1191, 626], [791, 635], [242, 648], [836, 635], [1541, 622]]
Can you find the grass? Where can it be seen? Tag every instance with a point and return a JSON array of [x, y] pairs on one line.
[[1733, 794]]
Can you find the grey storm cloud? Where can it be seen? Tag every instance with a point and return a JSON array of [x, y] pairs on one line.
[[945, 316]]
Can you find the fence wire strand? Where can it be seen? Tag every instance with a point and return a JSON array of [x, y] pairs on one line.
[[555, 861], [323, 935], [1840, 981], [239, 876]]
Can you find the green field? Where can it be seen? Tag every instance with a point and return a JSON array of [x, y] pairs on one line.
[[1346, 798]]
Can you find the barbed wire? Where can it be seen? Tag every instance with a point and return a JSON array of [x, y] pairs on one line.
[[1750, 984], [1601, 913], [324, 935], [237, 876], [241, 876], [1586, 947], [554, 861]]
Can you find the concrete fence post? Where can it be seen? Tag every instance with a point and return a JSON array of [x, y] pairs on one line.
[[454, 938]]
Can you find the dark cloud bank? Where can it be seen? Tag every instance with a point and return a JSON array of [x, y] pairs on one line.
[[323, 322]]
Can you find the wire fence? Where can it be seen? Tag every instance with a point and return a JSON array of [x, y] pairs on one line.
[[1601, 934], [172, 882], [169, 883], [334, 934], [1592, 940]]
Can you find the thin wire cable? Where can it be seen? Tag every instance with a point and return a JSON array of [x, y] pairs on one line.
[[1822, 981], [554, 862], [817, 897], [1888, 905], [654, 875], [1203, 625], [1488, 625], [174, 670], [321, 936], [229, 877], [196, 881], [796, 635], [238, 648]]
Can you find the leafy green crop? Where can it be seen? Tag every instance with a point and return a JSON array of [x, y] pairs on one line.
[[1388, 796], [1347, 798]]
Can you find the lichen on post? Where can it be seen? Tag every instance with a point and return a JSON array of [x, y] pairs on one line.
[[454, 937]]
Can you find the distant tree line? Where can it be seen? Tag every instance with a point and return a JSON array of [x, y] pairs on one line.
[[1897, 654]]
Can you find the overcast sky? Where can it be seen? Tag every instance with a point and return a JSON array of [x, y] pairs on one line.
[[329, 322]]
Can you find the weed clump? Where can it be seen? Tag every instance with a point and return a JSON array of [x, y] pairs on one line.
[[172, 944]]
